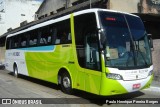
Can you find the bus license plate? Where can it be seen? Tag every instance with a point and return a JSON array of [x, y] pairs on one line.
[[136, 86]]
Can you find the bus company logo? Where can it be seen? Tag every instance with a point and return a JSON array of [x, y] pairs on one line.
[[6, 101], [143, 71], [16, 53], [131, 72]]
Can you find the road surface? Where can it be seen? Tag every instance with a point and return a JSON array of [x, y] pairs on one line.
[[26, 87]]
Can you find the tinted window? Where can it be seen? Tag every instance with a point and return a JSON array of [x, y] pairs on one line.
[[63, 32], [15, 41], [33, 38], [136, 26], [57, 33], [46, 35], [87, 41], [23, 40], [8, 43]]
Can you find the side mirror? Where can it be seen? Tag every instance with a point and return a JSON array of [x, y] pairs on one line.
[[102, 39], [150, 40]]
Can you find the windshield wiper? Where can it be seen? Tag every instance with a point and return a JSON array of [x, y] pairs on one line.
[[139, 51], [132, 42]]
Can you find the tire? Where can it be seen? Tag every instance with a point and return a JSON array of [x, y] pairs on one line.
[[15, 71], [66, 83]]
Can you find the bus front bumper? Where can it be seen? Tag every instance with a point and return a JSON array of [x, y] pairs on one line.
[[115, 87]]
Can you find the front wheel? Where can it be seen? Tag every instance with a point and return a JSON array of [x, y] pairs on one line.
[[66, 83]]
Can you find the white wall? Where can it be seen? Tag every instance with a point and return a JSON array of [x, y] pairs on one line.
[[53, 5], [129, 6], [14, 11], [2, 54]]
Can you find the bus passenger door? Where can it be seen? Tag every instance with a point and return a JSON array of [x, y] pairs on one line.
[[86, 41], [89, 72], [92, 63]]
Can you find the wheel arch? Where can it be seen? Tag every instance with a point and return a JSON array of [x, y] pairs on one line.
[[15, 64], [62, 70]]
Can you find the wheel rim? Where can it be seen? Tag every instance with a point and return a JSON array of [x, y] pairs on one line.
[[66, 82]]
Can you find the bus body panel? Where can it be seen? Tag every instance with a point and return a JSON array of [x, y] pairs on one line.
[[18, 57], [45, 65]]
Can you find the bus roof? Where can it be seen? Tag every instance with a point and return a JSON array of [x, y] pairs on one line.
[[98, 9], [51, 21]]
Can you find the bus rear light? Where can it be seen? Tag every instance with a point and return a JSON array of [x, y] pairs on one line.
[[114, 76]]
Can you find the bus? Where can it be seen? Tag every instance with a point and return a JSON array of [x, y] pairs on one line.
[[99, 51]]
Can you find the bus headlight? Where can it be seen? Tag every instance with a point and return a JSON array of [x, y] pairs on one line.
[[150, 73], [114, 76]]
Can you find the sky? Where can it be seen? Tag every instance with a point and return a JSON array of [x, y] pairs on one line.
[[1, 5]]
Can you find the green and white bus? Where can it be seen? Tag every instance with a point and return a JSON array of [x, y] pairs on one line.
[[99, 51]]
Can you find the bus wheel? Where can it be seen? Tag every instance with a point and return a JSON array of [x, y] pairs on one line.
[[66, 83], [15, 71]]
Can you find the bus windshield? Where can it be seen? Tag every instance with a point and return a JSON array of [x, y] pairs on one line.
[[126, 41]]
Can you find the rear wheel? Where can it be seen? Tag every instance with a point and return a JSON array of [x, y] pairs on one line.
[[15, 71], [66, 83]]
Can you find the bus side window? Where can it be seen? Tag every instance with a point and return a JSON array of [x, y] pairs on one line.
[[45, 36], [57, 41], [57, 36], [30, 42], [64, 32], [15, 42], [54, 36], [33, 39], [23, 44], [43, 41], [49, 39], [63, 37], [8, 43], [23, 40]]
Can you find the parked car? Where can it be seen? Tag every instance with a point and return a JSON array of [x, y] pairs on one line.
[[2, 66]]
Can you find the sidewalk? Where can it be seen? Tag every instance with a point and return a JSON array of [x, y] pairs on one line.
[[155, 84], [155, 87], [2, 67]]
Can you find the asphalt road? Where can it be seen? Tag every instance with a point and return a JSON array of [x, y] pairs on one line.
[[26, 87]]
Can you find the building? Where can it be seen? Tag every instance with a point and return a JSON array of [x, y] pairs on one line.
[[50, 7], [13, 12]]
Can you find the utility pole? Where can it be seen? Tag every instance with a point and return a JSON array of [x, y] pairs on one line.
[[90, 4]]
